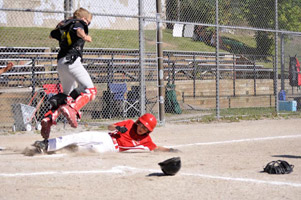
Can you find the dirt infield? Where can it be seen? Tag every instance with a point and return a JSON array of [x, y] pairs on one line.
[[219, 161]]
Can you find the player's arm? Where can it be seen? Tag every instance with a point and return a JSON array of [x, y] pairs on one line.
[[54, 30], [164, 149], [8, 67], [81, 33]]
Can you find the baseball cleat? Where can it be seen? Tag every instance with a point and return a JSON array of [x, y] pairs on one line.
[[70, 114], [41, 146], [46, 126]]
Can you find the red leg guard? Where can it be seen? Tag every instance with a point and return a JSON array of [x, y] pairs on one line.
[[71, 111], [84, 98], [48, 121]]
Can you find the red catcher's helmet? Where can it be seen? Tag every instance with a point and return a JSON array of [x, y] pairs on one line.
[[149, 121]]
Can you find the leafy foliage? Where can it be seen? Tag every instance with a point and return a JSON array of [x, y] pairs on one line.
[[261, 14]]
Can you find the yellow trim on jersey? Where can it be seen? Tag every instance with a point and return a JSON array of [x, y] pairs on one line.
[[69, 39], [63, 36]]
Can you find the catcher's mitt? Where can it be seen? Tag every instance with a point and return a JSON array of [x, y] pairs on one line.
[[171, 166], [278, 167]]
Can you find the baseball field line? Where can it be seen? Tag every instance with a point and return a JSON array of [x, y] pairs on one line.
[[236, 141], [126, 170]]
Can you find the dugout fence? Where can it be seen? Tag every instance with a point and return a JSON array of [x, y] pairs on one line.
[[222, 56]]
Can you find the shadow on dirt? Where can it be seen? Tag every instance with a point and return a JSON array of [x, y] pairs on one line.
[[157, 174], [287, 156]]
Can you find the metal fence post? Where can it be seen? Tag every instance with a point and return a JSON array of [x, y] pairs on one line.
[[173, 72], [160, 61], [33, 78], [67, 7], [217, 60], [255, 75], [234, 75], [282, 62], [276, 57], [141, 56], [194, 74]]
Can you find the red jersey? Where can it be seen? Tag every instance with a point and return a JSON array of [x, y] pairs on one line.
[[131, 140]]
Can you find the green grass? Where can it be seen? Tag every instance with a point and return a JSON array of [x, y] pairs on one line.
[[114, 39], [129, 39], [184, 44], [246, 39], [25, 37], [246, 111], [239, 114]]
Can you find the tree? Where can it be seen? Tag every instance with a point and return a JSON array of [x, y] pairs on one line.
[[290, 15], [261, 14], [198, 11], [171, 12]]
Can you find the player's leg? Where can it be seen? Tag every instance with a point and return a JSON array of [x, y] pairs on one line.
[[56, 101], [66, 78], [50, 117], [91, 140], [103, 143], [71, 110], [81, 95], [48, 121]]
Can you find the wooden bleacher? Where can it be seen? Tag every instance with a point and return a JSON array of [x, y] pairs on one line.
[[119, 64]]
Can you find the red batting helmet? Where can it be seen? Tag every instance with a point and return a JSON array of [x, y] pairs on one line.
[[149, 121]]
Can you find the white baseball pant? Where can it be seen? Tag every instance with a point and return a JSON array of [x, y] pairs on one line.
[[89, 140], [73, 75]]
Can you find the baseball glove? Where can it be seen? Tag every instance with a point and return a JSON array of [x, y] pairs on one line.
[[278, 167], [171, 166], [121, 129]]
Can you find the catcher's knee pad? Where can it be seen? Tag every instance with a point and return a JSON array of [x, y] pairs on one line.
[[83, 98], [91, 92], [57, 100], [77, 91]]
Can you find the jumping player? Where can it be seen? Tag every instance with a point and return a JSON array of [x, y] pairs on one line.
[[123, 136], [78, 88]]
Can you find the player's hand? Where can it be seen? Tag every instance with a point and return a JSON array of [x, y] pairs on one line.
[[174, 150], [88, 38], [121, 129]]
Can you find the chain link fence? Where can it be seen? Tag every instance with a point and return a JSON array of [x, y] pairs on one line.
[[223, 57]]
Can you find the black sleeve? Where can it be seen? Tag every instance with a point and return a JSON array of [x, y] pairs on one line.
[[78, 25]]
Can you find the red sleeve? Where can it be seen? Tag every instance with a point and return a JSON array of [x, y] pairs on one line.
[[151, 145]]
